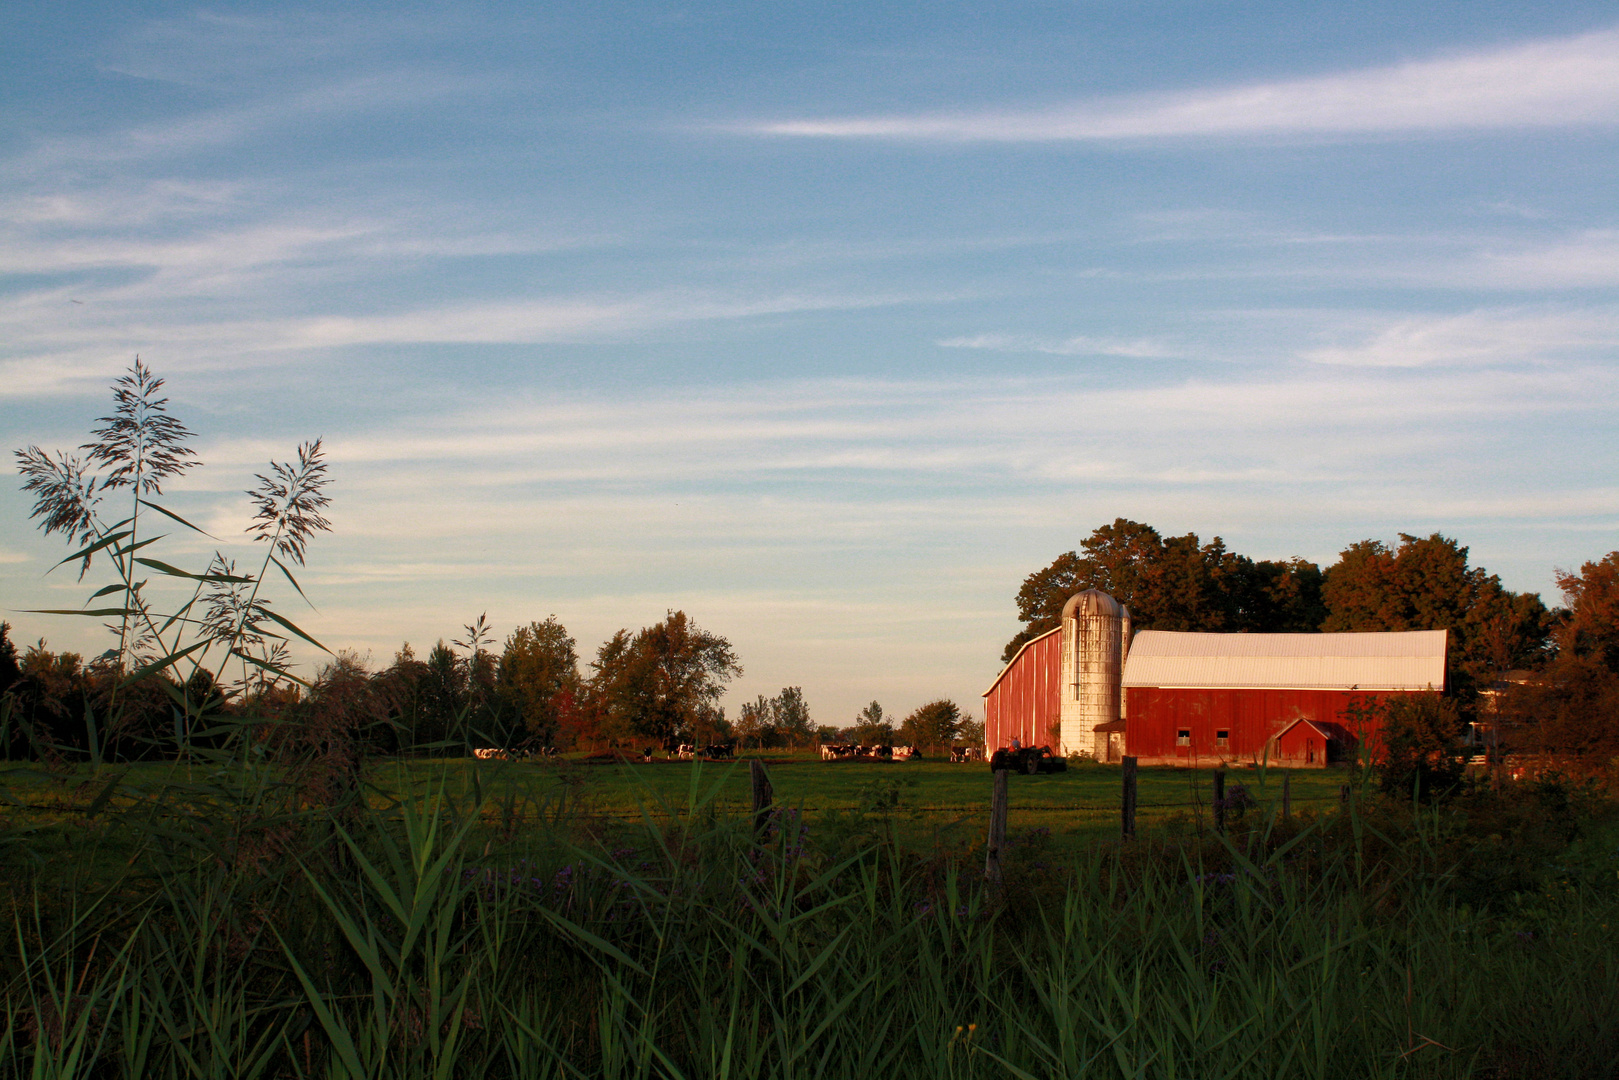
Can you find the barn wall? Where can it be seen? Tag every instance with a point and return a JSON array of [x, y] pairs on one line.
[[1027, 699], [1252, 716]]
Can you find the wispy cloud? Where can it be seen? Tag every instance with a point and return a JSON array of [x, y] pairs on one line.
[[227, 125], [963, 433], [1548, 83], [50, 345], [1582, 260], [1079, 345], [1475, 338]]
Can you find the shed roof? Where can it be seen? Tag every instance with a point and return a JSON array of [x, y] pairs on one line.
[[1403, 660], [1326, 730]]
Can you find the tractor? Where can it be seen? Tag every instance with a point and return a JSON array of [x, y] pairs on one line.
[[1028, 760]]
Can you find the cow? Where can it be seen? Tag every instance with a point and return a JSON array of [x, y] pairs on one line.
[[906, 753], [646, 755], [719, 751], [485, 753], [685, 751], [837, 751]]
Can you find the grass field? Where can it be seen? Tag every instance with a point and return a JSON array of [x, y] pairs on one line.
[[929, 802], [625, 920], [928, 805]]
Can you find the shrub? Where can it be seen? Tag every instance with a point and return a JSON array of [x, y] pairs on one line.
[[1420, 741]]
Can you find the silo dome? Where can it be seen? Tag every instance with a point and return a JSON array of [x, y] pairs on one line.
[[1092, 602]]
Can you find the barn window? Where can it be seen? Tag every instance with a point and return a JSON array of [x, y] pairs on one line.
[[1183, 737], [1222, 737]]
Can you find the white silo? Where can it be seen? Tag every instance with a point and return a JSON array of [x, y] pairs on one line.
[[1095, 629]]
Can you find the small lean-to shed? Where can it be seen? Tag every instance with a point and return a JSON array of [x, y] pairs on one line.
[[1025, 700], [1306, 744], [1295, 699]]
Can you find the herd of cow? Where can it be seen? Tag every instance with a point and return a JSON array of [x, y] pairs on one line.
[[850, 751], [723, 751], [726, 751], [519, 754]]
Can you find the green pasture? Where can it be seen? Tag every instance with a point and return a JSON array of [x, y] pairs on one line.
[[574, 918], [924, 805], [1085, 799]]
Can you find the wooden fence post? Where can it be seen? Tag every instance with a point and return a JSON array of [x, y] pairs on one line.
[[1287, 796], [997, 829], [1219, 801], [762, 793], [1129, 804]]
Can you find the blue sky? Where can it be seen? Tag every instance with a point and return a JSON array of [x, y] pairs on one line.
[[826, 323]]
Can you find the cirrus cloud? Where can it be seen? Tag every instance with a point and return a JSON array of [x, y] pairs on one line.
[[1549, 83]]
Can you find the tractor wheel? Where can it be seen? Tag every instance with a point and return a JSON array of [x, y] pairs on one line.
[[1031, 764]]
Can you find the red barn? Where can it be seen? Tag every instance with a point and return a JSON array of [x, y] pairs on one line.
[[1025, 701], [1289, 699], [1091, 687], [1062, 688]]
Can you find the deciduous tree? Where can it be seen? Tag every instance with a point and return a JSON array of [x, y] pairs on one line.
[[663, 682], [1174, 583], [1591, 625], [1570, 709], [935, 724], [871, 727], [539, 677], [10, 672], [792, 716], [1420, 734], [756, 722], [1426, 584]]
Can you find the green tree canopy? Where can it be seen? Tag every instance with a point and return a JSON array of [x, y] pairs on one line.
[[1590, 627], [441, 695], [10, 672], [664, 682], [539, 676], [1570, 710], [871, 727], [1420, 739], [793, 716], [935, 724], [756, 722], [1178, 583], [1426, 584], [774, 721]]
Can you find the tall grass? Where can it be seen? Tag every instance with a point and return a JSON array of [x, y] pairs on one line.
[[391, 943]]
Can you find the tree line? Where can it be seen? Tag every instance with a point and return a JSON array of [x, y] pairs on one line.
[[937, 723], [658, 684], [1181, 583]]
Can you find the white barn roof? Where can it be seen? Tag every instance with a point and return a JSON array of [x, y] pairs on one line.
[[1405, 660]]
